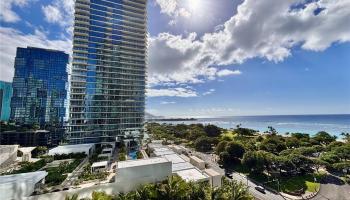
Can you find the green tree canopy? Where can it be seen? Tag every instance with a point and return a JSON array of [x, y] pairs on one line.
[[235, 150], [255, 161], [212, 130], [203, 144], [220, 147], [324, 138]]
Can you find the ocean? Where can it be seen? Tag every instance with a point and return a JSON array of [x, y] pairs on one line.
[[311, 124]]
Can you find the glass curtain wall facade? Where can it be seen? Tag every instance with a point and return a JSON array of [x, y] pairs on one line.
[[5, 100], [107, 97], [40, 87]]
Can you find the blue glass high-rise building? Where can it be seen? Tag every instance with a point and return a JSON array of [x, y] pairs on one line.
[[40, 87], [5, 100], [107, 98]]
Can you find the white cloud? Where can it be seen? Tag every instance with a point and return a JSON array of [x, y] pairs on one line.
[[11, 39], [208, 92], [173, 9], [171, 92], [52, 14], [60, 12], [167, 102], [227, 72], [266, 29], [6, 12]]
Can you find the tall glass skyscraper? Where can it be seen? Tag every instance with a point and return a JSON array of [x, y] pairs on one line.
[[107, 97], [40, 87], [5, 100]]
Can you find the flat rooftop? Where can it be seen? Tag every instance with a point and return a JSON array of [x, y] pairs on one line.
[[181, 166], [107, 149], [66, 149], [34, 176], [192, 175], [141, 162], [186, 158], [154, 145], [162, 153], [100, 164], [161, 149], [174, 158], [104, 155], [26, 149]]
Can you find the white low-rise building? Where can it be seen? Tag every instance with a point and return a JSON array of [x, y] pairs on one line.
[[19, 186], [88, 149], [99, 166], [26, 153], [107, 150], [214, 177], [152, 146], [199, 163], [174, 158], [162, 153], [186, 158], [136, 172], [177, 149], [193, 175], [181, 166], [105, 155]]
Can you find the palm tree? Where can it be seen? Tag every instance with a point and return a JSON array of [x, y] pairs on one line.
[[198, 191], [148, 191], [175, 188], [101, 196], [123, 196], [346, 136], [231, 190]]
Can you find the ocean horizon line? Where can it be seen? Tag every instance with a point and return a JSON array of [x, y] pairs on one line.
[[271, 115]]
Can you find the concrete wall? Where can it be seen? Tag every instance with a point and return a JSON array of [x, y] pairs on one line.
[[215, 181], [145, 173], [8, 154]]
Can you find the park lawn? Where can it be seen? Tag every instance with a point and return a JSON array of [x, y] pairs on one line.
[[299, 182], [312, 186], [289, 184], [228, 134]]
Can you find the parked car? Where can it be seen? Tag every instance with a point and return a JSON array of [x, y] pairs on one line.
[[260, 189]]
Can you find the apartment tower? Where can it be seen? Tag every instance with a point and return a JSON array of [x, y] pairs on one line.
[[107, 96], [40, 87]]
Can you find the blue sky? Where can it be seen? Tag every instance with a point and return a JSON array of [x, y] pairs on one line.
[[217, 57]]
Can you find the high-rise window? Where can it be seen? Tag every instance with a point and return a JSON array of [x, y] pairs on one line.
[[40, 87], [107, 97]]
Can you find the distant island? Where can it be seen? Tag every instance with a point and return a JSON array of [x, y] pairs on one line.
[[171, 119], [153, 118]]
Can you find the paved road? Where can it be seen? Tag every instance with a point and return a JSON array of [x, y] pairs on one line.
[[333, 189], [239, 177]]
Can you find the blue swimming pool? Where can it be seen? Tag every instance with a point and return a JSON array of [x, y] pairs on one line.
[[133, 155]]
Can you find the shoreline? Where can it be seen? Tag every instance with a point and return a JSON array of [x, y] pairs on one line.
[[295, 124]]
